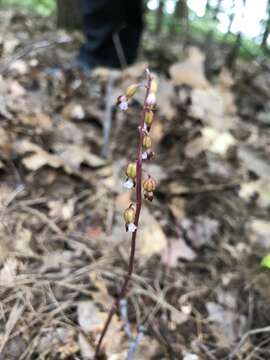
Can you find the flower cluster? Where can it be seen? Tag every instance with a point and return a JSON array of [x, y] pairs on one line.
[[122, 100], [133, 170]]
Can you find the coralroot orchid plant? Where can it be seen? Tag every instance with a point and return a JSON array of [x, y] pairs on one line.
[[134, 179]]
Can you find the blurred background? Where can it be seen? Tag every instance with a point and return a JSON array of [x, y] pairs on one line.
[[201, 285]]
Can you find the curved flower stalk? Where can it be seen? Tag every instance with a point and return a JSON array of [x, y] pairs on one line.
[[134, 180]]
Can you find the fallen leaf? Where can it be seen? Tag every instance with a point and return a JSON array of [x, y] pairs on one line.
[[210, 140], [259, 233], [191, 71], [177, 249], [259, 189], [151, 238], [165, 95], [9, 271], [89, 317], [38, 120], [199, 230], [252, 161], [230, 325], [22, 241], [177, 207], [74, 155], [61, 210], [87, 350], [208, 105], [73, 111]]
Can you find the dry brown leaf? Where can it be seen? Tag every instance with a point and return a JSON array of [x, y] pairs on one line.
[[259, 189], [165, 96], [87, 350], [191, 71], [68, 349], [73, 111], [91, 320], [89, 316], [69, 156], [4, 143], [38, 120], [74, 155], [252, 161], [60, 210], [151, 238], [9, 271], [259, 233], [22, 241], [122, 201], [229, 325], [177, 207], [177, 249], [16, 89], [101, 296], [210, 140]]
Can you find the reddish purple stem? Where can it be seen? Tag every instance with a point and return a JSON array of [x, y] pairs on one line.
[[136, 222]]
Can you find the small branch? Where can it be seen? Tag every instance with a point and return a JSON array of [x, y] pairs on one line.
[[136, 221], [133, 344], [30, 48], [107, 124], [244, 338]]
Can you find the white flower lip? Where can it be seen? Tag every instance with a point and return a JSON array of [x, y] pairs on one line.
[[131, 227], [144, 155], [129, 183], [123, 105]]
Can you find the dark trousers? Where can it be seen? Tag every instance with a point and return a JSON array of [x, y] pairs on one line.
[[108, 23]]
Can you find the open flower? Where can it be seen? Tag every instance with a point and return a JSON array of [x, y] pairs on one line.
[[122, 102], [131, 227], [129, 183], [145, 155], [129, 217], [131, 172]]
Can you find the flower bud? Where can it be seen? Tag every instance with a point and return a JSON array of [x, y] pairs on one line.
[[147, 142], [131, 170], [149, 185], [151, 100], [129, 215], [148, 117], [153, 86], [131, 90], [149, 195]]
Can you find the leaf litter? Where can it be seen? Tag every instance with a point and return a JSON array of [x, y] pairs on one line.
[[63, 248]]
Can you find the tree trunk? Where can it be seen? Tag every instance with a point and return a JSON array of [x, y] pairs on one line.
[[216, 10], [159, 17], [180, 18], [267, 28], [233, 54], [69, 14]]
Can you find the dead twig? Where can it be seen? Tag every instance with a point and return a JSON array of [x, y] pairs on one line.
[[43, 44]]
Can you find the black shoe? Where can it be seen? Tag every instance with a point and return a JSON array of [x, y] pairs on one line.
[[80, 64]]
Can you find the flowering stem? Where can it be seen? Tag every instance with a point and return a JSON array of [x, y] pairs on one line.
[[136, 221]]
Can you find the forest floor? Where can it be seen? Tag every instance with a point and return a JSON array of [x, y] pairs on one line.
[[198, 290]]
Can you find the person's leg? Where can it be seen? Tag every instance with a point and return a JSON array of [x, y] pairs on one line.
[[101, 18], [104, 18], [131, 33]]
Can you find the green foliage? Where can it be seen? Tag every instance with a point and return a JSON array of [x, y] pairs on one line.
[[44, 7], [266, 261]]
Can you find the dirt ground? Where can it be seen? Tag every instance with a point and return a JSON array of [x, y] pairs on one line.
[[198, 289]]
